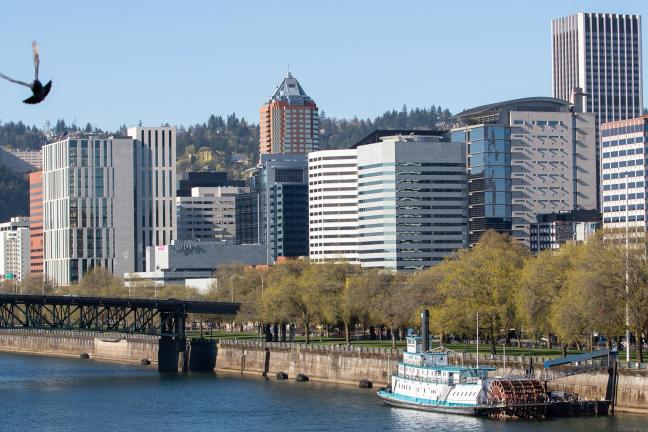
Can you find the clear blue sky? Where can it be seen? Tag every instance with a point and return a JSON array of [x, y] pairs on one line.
[[117, 62]]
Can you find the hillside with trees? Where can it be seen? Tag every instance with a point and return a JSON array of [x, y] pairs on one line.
[[220, 144], [342, 133], [14, 194]]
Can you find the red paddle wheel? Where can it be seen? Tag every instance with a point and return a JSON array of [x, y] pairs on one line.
[[518, 397]]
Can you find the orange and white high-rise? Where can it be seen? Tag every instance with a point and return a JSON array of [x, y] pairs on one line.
[[289, 121]]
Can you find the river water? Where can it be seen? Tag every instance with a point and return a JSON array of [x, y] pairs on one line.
[[53, 394]]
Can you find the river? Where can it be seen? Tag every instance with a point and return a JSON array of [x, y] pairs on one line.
[[53, 394]]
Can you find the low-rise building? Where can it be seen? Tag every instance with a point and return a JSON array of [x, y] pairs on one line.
[[553, 230], [186, 260]]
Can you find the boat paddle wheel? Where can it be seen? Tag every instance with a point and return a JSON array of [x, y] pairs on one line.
[[517, 397]]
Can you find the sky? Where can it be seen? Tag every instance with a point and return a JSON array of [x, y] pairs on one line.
[[118, 62]]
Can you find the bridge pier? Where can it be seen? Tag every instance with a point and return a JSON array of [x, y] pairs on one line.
[[168, 355], [172, 340]]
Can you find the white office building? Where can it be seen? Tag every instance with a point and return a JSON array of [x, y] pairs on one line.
[[333, 205], [624, 175], [411, 205], [106, 199], [600, 53], [155, 181], [208, 214], [14, 249]]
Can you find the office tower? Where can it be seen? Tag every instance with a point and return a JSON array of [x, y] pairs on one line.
[[624, 174], [105, 199], [88, 207], [333, 205], [397, 202], [208, 214], [36, 222], [289, 120], [526, 157], [155, 183], [411, 202], [600, 53], [14, 249], [552, 230], [275, 211]]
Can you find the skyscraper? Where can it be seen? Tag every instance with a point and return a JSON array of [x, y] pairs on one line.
[[289, 120], [155, 183], [600, 53], [88, 207], [105, 199]]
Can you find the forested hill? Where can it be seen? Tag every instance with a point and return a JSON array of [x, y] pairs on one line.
[[342, 133], [231, 144], [14, 194], [234, 143]]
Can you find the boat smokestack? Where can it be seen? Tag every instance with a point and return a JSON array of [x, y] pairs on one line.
[[425, 330]]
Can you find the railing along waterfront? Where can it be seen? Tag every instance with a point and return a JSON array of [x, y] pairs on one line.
[[516, 361], [78, 334]]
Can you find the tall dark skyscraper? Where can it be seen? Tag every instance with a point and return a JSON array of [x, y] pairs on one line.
[[601, 54]]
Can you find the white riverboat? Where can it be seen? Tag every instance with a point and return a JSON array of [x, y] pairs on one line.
[[425, 380]]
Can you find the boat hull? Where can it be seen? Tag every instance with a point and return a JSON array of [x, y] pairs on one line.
[[477, 410]]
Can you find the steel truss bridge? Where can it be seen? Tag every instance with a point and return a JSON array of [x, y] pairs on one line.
[[163, 318]]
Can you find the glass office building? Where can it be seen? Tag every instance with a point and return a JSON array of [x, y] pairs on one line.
[[489, 177]]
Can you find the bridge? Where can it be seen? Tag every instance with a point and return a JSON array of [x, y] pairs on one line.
[[163, 318]]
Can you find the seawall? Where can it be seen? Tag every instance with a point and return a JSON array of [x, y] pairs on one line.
[[328, 363], [115, 347], [349, 365]]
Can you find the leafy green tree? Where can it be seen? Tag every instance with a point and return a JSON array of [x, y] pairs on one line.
[[35, 284], [392, 301], [638, 296], [484, 280], [542, 280]]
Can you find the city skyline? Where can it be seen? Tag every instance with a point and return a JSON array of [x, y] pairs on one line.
[[180, 67]]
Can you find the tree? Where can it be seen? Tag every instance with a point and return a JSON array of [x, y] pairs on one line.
[[542, 280], [599, 278], [593, 299], [339, 301], [483, 280], [638, 297], [36, 284], [100, 282], [392, 302], [289, 296]]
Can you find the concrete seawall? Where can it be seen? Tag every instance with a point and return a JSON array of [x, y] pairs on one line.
[[320, 363], [114, 347], [342, 365]]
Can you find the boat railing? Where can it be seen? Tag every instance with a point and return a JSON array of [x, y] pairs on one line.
[[435, 380]]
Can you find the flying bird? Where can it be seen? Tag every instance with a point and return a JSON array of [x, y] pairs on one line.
[[39, 90]]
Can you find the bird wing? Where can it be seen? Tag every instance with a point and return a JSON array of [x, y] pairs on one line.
[[36, 57], [14, 81]]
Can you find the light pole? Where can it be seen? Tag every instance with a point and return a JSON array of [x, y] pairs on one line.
[[627, 287]]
